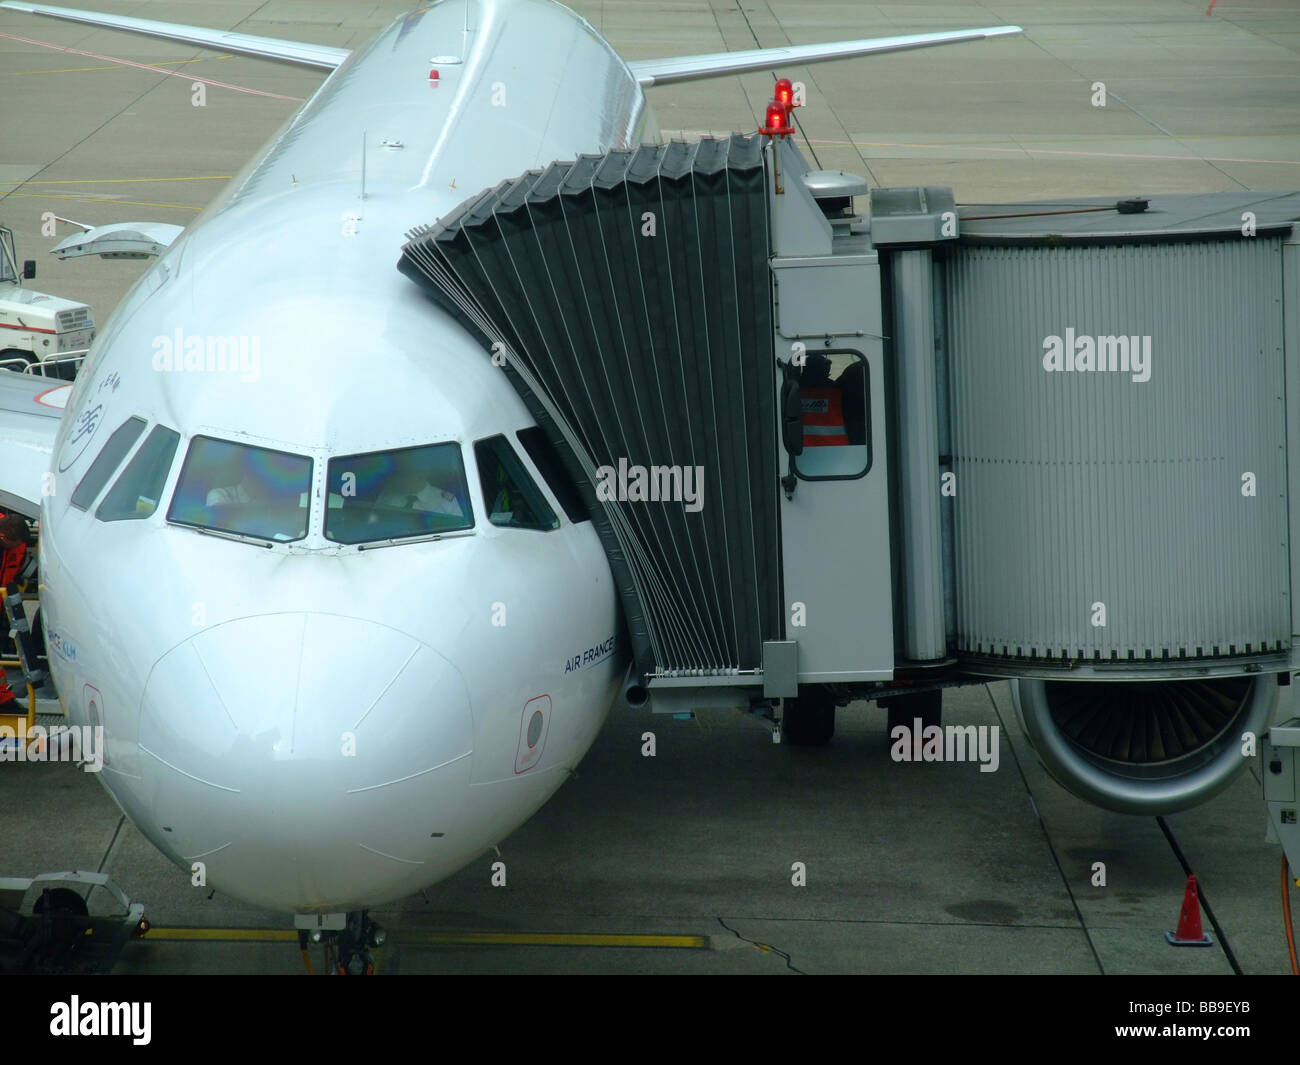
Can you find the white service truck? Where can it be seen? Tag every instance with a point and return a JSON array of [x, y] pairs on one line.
[[34, 327]]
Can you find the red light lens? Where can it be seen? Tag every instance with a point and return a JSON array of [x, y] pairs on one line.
[[777, 120], [784, 91]]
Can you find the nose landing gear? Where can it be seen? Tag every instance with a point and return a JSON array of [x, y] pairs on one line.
[[347, 948]]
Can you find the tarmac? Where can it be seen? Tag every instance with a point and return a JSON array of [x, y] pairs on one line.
[[684, 862]]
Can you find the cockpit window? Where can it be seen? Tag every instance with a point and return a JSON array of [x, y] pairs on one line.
[[241, 489], [389, 495], [137, 492], [548, 464], [512, 497], [122, 440]]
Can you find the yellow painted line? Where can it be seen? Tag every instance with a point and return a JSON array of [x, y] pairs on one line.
[[224, 935], [78, 70], [511, 939], [121, 180], [558, 939], [103, 199]]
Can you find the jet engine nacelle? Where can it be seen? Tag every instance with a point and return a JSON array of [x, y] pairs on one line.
[[1146, 747]]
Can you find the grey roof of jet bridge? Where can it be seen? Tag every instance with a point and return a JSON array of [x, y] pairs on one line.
[[1110, 219]]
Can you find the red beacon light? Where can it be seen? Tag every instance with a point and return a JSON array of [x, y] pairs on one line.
[[785, 92], [777, 121], [433, 77]]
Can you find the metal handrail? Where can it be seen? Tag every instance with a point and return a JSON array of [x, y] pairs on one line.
[[37, 369]]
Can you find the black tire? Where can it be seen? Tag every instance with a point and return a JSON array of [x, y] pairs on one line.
[[61, 900], [905, 709], [13, 353], [67, 910], [808, 721]]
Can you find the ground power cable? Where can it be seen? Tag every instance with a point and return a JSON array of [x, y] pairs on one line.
[[1200, 891]]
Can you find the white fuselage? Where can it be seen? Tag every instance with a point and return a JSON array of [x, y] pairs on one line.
[[326, 728]]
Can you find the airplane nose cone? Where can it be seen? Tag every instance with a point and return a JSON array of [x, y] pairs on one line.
[[307, 760]]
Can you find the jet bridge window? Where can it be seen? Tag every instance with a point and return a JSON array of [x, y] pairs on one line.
[[136, 494], [108, 460], [833, 389], [241, 489], [512, 497], [390, 495]]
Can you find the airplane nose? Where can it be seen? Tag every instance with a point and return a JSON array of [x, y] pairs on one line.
[[280, 745]]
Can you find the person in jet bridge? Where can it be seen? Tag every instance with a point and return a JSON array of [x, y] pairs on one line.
[[13, 548], [13, 553]]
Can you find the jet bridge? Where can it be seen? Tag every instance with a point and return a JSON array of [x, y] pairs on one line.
[[627, 297], [631, 299], [834, 457]]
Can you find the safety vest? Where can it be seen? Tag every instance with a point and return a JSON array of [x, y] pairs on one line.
[[823, 417], [11, 562]]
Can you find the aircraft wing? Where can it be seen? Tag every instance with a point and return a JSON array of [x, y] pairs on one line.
[[692, 67], [311, 55], [31, 409]]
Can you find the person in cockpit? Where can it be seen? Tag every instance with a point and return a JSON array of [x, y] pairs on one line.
[[234, 493], [232, 479], [412, 489]]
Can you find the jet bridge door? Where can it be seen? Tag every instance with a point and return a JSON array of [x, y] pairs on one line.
[[835, 512]]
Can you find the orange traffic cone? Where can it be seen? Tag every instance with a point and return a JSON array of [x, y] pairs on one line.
[[1190, 933]]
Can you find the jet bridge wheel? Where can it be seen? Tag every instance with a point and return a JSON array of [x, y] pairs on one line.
[[905, 709], [809, 720]]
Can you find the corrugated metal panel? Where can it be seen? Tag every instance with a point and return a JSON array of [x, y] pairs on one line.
[[1085, 487], [1291, 318], [640, 346]]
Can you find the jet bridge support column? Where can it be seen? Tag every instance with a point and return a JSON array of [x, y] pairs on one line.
[[923, 633], [906, 224]]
